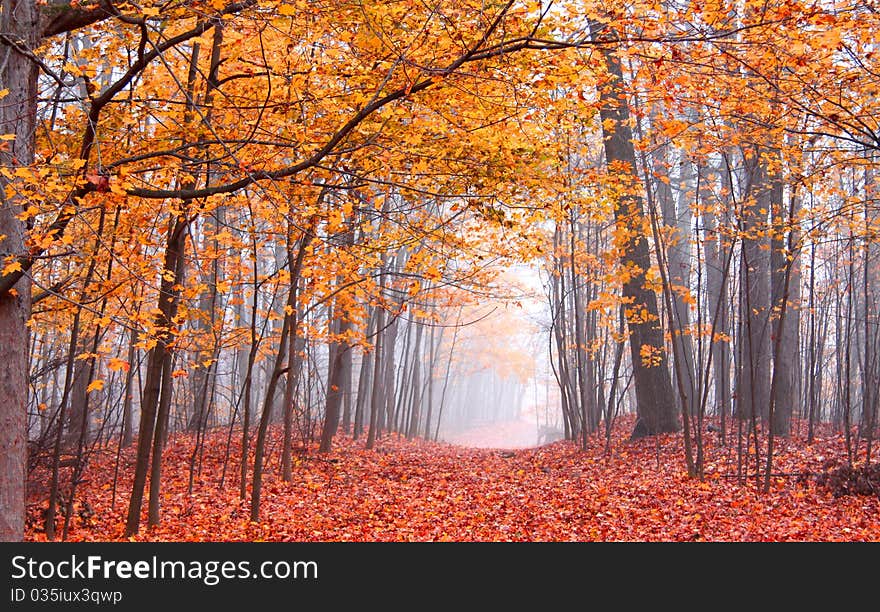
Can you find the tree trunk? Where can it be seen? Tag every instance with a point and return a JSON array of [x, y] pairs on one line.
[[265, 415], [655, 401], [167, 308], [435, 349], [377, 393], [786, 295], [584, 382], [415, 406], [365, 378], [716, 251], [127, 429], [335, 380], [18, 75], [677, 218], [753, 382]]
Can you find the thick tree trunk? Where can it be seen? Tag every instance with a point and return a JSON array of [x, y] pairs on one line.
[[786, 296], [677, 217], [204, 327], [716, 251], [162, 415], [335, 381], [655, 401], [18, 76], [753, 382], [377, 393], [295, 348], [78, 398]]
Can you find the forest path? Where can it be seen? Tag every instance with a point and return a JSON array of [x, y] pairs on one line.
[[406, 490], [512, 434]]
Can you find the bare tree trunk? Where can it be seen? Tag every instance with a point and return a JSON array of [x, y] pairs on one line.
[[846, 379], [654, 396], [568, 372], [785, 281], [716, 252], [677, 217], [871, 329], [435, 350], [18, 76], [78, 399], [265, 416], [814, 354], [347, 376], [753, 382], [377, 393], [585, 387], [365, 380], [403, 379], [167, 309], [416, 401], [386, 412], [446, 376], [208, 305], [159, 437], [335, 380], [295, 343], [59, 426], [561, 369], [127, 428]]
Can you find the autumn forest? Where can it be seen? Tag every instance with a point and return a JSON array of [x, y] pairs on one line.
[[398, 270]]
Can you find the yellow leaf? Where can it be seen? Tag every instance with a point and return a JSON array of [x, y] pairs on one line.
[[286, 9], [116, 364], [95, 385], [14, 266]]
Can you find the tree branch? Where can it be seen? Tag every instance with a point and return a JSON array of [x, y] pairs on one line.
[[59, 16]]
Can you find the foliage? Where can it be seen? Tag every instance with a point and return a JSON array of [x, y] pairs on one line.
[[425, 491], [849, 480]]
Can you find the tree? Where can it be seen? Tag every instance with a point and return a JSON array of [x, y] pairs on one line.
[[653, 386], [18, 80]]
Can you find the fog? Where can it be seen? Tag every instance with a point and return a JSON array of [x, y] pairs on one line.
[[501, 392]]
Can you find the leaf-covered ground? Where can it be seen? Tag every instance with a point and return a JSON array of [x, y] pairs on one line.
[[414, 490]]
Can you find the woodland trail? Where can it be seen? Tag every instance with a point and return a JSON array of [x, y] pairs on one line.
[[424, 491], [518, 434]]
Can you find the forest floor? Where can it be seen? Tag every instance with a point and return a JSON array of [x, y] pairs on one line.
[[424, 491]]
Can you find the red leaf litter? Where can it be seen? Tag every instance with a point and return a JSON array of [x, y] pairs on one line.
[[424, 491]]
